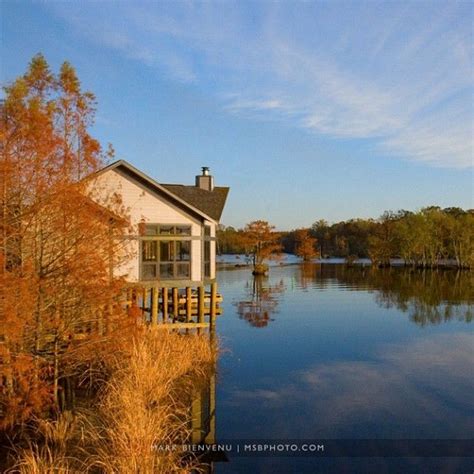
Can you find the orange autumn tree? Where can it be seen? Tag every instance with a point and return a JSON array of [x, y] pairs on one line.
[[305, 245], [58, 247], [261, 243]]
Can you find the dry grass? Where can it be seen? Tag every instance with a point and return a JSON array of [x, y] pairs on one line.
[[144, 403], [51, 452], [44, 460]]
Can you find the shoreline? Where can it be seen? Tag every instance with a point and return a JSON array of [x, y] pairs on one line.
[[363, 262]]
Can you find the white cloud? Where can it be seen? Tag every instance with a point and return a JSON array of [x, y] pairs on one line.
[[400, 74]]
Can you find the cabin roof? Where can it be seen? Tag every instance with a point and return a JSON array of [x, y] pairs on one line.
[[210, 202], [207, 204]]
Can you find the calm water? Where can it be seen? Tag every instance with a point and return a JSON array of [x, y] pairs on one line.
[[325, 351]]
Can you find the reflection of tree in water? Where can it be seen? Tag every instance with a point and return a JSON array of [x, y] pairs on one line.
[[429, 296], [262, 301], [308, 274], [423, 314]]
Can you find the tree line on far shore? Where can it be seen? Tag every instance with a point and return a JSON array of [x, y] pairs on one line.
[[426, 238]]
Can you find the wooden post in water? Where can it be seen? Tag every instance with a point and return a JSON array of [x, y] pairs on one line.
[[165, 305], [213, 310], [201, 304], [189, 304], [154, 305], [175, 303]]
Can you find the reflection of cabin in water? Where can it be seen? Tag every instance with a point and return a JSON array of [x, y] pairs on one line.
[[203, 423], [173, 244]]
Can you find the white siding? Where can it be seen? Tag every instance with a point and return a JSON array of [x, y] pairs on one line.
[[196, 254], [213, 248], [144, 206]]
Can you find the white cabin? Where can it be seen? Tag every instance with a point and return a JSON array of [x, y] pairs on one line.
[[173, 237]]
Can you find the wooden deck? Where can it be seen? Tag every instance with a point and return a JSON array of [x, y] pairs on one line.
[[176, 308]]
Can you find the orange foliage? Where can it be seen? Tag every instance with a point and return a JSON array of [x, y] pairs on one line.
[[57, 246], [261, 242], [305, 245]]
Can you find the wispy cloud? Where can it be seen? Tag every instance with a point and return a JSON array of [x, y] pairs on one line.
[[396, 73]]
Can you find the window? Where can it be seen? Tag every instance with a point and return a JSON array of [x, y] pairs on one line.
[[207, 259], [149, 259], [163, 229], [165, 252]]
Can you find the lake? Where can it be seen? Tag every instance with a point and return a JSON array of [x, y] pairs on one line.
[[325, 351]]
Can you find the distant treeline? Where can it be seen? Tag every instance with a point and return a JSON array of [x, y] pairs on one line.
[[423, 239]]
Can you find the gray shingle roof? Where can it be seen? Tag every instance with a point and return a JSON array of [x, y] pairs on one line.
[[210, 202], [205, 203]]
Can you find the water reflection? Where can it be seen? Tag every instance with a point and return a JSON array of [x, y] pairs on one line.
[[202, 411], [422, 390], [343, 358], [261, 301], [429, 297]]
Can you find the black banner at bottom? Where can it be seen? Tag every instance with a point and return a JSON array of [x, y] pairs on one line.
[[329, 448]]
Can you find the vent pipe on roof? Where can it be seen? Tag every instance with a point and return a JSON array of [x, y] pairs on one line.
[[205, 180]]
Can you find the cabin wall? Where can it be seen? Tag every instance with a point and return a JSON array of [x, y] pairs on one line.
[[144, 206], [213, 248]]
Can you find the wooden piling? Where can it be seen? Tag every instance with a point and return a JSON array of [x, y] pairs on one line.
[[165, 304], [174, 292], [201, 295], [189, 304], [213, 309], [195, 308], [155, 294]]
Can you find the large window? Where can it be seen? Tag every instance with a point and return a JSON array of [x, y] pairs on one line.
[[165, 252]]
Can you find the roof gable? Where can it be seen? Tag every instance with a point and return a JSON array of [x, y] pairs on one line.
[[207, 204], [210, 202]]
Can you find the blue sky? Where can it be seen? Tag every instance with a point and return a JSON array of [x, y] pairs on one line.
[[307, 110]]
